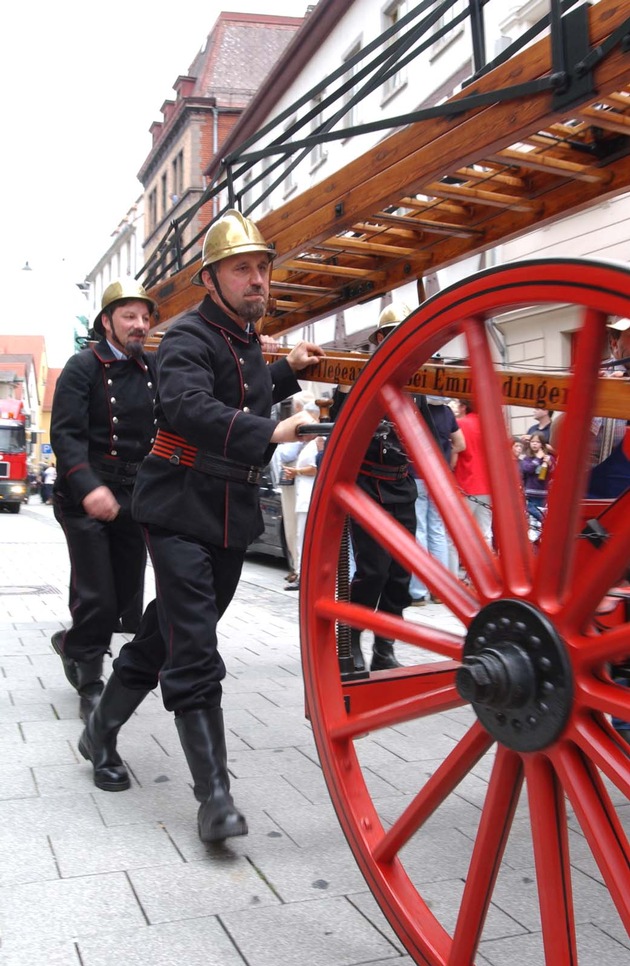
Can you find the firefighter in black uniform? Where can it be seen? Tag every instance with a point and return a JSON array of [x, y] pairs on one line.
[[102, 426], [379, 581], [198, 496]]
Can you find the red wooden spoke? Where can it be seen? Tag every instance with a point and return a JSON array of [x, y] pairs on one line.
[[595, 649], [598, 568], [386, 625], [401, 545], [496, 821], [551, 852], [603, 697], [567, 492], [508, 518], [600, 824], [593, 737], [442, 783], [424, 453], [531, 656]]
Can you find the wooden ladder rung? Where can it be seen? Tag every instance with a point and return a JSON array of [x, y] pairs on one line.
[[478, 196], [495, 175], [308, 266], [609, 120], [295, 288], [366, 247], [431, 227], [544, 162]]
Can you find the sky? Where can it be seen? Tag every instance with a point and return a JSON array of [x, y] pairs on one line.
[[82, 81]]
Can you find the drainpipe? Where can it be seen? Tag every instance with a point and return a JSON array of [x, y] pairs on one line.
[[215, 149]]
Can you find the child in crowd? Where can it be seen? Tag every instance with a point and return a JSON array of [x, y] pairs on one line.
[[536, 467]]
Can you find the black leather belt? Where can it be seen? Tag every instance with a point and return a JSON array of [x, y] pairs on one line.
[[379, 471], [180, 453], [114, 470], [226, 469]]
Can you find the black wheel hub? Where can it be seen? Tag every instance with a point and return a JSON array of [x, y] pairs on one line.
[[516, 674]]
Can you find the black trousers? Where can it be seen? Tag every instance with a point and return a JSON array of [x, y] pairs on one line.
[[177, 640], [107, 563], [380, 582]]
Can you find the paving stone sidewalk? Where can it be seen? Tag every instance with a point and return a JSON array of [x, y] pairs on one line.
[[91, 878]]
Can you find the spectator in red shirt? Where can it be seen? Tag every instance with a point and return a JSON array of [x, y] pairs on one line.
[[471, 470]]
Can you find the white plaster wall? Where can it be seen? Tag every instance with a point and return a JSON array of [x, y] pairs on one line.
[[600, 232]]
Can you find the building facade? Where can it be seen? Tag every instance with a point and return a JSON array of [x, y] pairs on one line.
[[236, 56], [24, 375], [231, 67], [123, 257], [339, 51]]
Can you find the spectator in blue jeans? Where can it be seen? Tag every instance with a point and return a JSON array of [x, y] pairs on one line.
[[430, 527]]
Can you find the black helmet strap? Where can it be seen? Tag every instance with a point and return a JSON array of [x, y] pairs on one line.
[[215, 282]]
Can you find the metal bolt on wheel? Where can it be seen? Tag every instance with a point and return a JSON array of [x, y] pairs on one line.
[[515, 702]]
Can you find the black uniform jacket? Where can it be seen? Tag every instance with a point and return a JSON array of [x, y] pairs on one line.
[[215, 391], [102, 423], [385, 472]]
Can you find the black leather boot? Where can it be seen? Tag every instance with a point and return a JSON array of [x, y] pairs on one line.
[[98, 741], [84, 676], [69, 664], [383, 658], [89, 685], [357, 654], [202, 735]]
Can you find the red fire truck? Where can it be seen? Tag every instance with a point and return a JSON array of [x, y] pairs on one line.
[[13, 475]]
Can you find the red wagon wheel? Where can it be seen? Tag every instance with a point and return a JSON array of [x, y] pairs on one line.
[[513, 698]]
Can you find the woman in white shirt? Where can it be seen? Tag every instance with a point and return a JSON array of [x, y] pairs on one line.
[[304, 473]]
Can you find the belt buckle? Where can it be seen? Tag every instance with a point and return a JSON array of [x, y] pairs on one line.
[[253, 475]]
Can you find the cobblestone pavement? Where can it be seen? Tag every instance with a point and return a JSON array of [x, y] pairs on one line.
[[90, 878]]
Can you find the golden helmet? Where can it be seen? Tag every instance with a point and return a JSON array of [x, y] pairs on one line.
[[121, 288], [232, 234], [391, 316]]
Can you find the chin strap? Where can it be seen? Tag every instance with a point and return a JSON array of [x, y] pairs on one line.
[[215, 281]]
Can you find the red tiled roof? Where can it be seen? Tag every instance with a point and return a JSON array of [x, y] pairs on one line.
[[240, 51], [33, 345]]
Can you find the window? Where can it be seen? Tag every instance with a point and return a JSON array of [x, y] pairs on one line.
[[248, 192], [266, 198], [153, 210], [164, 194], [350, 118], [318, 151], [443, 23], [520, 16], [178, 177], [12, 440], [289, 183], [393, 15]]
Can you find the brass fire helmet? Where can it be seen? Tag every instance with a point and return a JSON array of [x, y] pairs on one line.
[[122, 288], [391, 316], [232, 234]]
